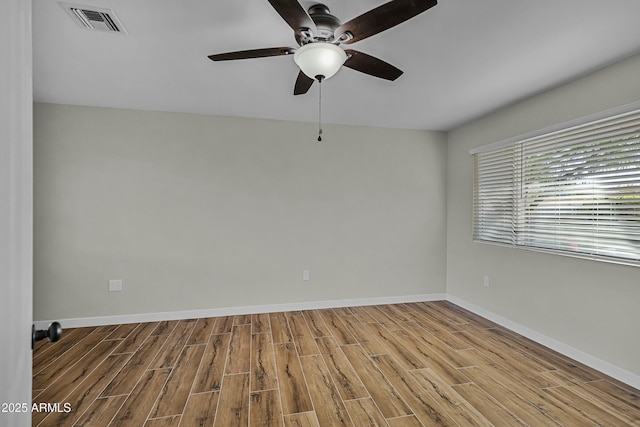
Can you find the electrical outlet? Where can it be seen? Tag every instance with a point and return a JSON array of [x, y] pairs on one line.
[[485, 281], [305, 275], [115, 285]]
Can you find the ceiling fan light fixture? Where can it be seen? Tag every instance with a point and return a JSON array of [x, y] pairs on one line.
[[320, 59]]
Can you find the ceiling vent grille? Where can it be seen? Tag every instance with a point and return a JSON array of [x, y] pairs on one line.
[[94, 18]]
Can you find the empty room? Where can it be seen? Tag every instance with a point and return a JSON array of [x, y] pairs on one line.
[[293, 213]]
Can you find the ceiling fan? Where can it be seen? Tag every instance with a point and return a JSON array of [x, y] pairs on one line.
[[319, 34]]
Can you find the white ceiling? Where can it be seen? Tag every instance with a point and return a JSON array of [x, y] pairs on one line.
[[462, 58]]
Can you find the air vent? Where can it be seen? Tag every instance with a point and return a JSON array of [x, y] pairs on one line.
[[94, 18]]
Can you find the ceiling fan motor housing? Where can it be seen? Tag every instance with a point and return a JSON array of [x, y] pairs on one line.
[[325, 22]]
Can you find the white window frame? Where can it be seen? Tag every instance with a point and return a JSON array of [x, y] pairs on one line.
[[508, 202]]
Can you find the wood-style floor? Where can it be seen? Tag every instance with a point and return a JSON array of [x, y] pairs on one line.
[[418, 364]]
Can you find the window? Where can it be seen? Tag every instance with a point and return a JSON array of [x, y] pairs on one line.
[[572, 190]]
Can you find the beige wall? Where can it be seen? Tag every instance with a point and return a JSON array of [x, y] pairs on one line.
[[588, 305], [199, 212]]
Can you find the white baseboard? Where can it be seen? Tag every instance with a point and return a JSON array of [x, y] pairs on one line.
[[229, 311], [582, 357]]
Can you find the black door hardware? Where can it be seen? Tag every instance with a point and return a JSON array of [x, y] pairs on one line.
[[53, 333]]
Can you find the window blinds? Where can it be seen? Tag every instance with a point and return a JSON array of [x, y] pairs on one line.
[[573, 191]]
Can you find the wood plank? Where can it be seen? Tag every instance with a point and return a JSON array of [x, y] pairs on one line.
[[201, 409], [440, 328], [383, 393], [83, 396], [316, 324], [411, 421], [362, 315], [513, 348], [437, 348], [342, 311], [209, 376], [305, 419], [396, 312], [363, 335], [492, 410], [201, 331], [174, 394], [47, 352], [64, 385], [562, 411], [401, 352], [35, 394], [242, 319], [428, 318], [564, 363], [165, 327], [304, 342], [504, 354], [530, 391], [136, 337], [135, 409], [101, 412], [329, 407], [280, 328], [265, 409], [104, 329], [263, 363], [452, 340], [364, 412], [587, 409], [424, 406], [168, 355], [450, 316], [260, 323], [223, 325], [557, 409], [466, 314], [523, 408], [344, 376], [127, 378], [62, 364], [627, 395], [430, 358], [239, 357], [122, 331], [454, 405], [336, 327], [382, 318], [558, 378], [233, 405], [173, 421], [293, 388], [621, 384]]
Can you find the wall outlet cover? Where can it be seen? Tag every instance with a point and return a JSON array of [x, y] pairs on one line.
[[115, 285]]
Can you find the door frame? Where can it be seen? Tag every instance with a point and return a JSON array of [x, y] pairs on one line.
[[16, 212]]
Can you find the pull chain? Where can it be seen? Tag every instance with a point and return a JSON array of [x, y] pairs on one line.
[[320, 78]]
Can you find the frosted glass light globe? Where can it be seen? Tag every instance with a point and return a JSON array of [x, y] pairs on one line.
[[319, 59]]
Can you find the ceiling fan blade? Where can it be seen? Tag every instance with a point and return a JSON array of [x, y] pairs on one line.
[[382, 18], [371, 65], [295, 15], [303, 83], [252, 53]]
